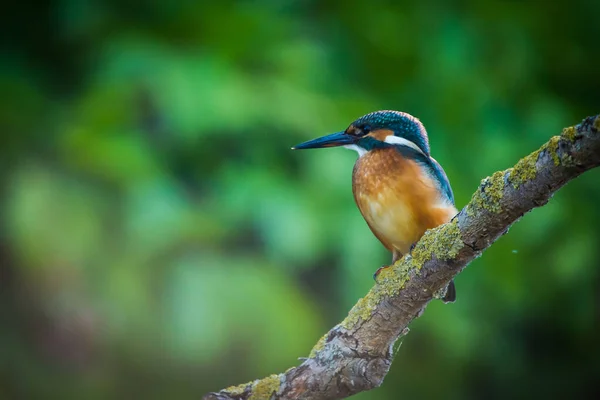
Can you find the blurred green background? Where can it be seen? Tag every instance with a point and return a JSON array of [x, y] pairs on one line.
[[161, 240]]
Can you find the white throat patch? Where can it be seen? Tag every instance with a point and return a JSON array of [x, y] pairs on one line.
[[361, 152], [392, 139]]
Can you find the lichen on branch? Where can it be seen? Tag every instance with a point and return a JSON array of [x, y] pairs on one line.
[[356, 354]]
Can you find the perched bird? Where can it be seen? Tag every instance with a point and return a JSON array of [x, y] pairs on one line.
[[400, 189]]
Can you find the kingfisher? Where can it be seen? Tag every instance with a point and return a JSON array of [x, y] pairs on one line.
[[400, 190]]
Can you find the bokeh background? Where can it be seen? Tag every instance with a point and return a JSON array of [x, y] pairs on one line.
[[160, 239]]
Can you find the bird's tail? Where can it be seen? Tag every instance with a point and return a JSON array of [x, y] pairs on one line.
[[450, 296]]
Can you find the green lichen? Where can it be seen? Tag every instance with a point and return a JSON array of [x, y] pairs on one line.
[[443, 243], [567, 160], [525, 170], [489, 195], [265, 388], [237, 390], [389, 282], [564, 158], [362, 310], [597, 123], [552, 148], [570, 133], [319, 346]]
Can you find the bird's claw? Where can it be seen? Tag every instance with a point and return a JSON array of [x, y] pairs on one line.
[[376, 274], [412, 247]]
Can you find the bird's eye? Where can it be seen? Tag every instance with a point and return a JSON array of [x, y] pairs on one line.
[[366, 129]]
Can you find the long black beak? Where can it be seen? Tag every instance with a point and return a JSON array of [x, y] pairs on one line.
[[333, 140]]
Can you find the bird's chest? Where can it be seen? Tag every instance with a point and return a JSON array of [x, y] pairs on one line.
[[397, 198]]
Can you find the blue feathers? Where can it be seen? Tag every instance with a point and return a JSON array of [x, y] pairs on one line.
[[410, 128], [402, 124]]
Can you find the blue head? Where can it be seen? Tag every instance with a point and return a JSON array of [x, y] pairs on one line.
[[375, 130]]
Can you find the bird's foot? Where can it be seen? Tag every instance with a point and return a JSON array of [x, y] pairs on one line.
[[376, 274], [412, 247]]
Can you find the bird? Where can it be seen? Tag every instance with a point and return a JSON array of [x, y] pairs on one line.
[[400, 190]]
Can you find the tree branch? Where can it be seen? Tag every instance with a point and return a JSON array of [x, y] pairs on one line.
[[356, 355]]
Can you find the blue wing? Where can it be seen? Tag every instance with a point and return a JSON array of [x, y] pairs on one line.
[[442, 178]]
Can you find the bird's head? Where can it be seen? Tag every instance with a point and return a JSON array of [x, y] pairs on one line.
[[376, 130]]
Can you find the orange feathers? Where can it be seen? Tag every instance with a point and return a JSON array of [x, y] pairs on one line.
[[397, 198]]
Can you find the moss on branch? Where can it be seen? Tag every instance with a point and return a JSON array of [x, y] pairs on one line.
[[360, 362], [264, 388]]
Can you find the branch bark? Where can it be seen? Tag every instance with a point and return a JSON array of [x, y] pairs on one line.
[[355, 355]]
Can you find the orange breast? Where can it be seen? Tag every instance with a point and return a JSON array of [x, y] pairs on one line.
[[397, 198]]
